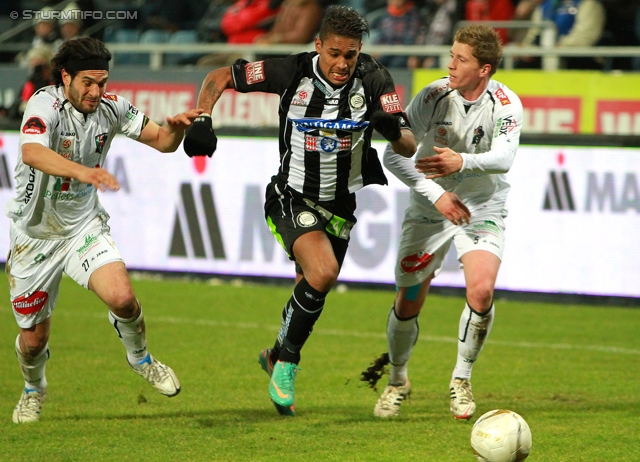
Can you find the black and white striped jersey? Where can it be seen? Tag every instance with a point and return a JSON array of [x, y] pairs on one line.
[[325, 137]]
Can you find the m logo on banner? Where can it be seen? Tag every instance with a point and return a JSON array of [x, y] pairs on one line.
[[187, 238], [5, 177], [559, 195]]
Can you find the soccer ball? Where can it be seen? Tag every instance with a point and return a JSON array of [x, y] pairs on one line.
[[501, 436]]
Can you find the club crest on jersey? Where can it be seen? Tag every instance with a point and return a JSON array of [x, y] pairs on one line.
[[101, 139], [391, 102], [502, 97], [356, 100], [306, 219], [34, 126], [478, 133], [254, 72]]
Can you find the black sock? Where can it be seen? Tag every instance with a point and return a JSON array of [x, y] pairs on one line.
[[302, 311]]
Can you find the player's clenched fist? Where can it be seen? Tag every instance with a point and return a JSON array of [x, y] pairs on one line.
[[200, 139], [387, 125]]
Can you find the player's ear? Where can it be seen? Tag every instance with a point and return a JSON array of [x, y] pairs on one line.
[[318, 43]]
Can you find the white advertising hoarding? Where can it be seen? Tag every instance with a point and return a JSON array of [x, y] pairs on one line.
[[573, 217]]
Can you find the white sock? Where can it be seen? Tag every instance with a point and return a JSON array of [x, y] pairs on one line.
[[132, 335], [472, 333], [33, 368], [401, 336]]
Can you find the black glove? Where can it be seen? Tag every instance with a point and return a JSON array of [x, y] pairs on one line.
[[200, 139], [387, 125]]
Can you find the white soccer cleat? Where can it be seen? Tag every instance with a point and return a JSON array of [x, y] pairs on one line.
[[29, 406], [161, 377], [462, 404], [388, 404]]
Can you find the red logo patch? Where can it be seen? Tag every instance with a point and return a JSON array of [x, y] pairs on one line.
[[391, 102], [303, 95], [255, 72], [34, 126], [110, 96], [31, 304], [414, 263], [504, 100]]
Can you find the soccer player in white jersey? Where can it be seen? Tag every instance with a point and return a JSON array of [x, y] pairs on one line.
[[468, 127], [57, 222]]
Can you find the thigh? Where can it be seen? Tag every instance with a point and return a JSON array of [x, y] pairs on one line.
[[485, 232], [34, 270], [287, 218], [423, 245], [89, 250]]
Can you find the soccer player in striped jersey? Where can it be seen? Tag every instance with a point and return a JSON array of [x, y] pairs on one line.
[[330, 102]]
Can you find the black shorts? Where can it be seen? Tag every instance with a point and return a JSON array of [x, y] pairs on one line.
[[290, 215]]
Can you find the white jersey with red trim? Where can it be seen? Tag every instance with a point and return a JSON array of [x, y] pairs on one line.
[[49, 207], [485, 132]]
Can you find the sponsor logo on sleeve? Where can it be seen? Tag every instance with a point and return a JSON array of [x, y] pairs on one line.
[[502, 97], [132, 112], [34, 126], [30, 304], [110, 96], [504, 125], [391, 102], [255, 72]]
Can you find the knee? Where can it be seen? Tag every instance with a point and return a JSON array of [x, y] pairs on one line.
[[406, 309], [124, 305], [480, 297], [323, 277], [32, 345]]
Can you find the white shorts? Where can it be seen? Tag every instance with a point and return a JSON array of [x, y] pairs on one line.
[[35, 266], [425, 242]]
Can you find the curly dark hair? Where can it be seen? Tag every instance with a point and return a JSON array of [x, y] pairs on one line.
[[343, 21], [77, 50]]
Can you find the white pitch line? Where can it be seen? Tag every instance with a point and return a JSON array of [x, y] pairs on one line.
[[375, 335]]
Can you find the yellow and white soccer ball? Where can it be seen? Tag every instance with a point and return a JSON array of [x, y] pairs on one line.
[[501, 436]]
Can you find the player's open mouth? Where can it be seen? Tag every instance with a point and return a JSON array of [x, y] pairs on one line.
[[340, 77]]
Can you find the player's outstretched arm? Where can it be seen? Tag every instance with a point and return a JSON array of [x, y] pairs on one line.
[[200, 139], [44, 159], [168, 137]]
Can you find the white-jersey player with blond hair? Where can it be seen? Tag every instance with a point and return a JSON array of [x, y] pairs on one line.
[[468, 126]]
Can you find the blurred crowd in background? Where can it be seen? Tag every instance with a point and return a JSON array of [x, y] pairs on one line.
[[392, 22], [579, 23]]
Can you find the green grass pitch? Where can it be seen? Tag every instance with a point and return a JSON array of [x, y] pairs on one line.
[[571, 371]]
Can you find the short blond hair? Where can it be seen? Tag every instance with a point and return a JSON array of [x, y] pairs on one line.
[[484, 42]]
